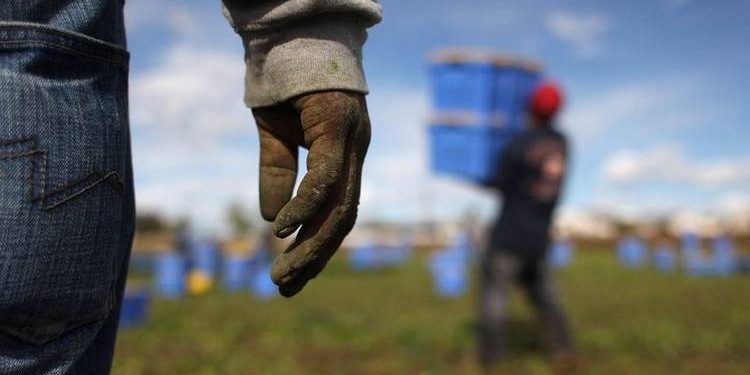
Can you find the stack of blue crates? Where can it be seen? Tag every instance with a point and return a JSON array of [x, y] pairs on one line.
[[479, 103]]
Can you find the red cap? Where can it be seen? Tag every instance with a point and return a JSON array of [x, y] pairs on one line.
[[546, 100]]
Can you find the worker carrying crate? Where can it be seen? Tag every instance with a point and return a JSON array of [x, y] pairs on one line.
[[480, 101]]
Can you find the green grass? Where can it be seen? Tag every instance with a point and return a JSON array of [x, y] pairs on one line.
[[626, 322]]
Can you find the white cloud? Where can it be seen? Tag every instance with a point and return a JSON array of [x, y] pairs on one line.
[[191, 91], [584, 33], [662, 103], [734, 203], [182, 21], [187, 117], [602, 109], [668, 163], [170, 13]]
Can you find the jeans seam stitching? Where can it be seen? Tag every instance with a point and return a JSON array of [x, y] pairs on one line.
[[61, 47], [71, 35]]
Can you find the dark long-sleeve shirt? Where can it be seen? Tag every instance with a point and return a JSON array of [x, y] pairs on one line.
[[530, 179]]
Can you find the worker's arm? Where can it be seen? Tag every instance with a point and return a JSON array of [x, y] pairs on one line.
[[305, 84], [505, 172], [295, 47]]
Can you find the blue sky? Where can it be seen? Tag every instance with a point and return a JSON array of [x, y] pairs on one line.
[[657, 104]]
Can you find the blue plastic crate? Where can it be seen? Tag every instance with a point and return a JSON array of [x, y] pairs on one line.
[[467, 152], [481, 88], [724, 256], [632, 252], [260, 282], [170, 275], [561, 254], [480, 101], [204, 257], [525, 80], [664, 259], [363, 257], [135, 305], [449, 273], [464, 88], [236, 272], [690, 241]]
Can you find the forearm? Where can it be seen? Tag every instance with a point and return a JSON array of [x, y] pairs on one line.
[[295, 47]]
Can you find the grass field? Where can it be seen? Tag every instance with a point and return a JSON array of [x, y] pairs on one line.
[[389, 322]]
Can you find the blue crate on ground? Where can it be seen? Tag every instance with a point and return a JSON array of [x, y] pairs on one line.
[[260, 282], [450, 273], [236, 272], [690, 242], [170, 275], [204, 257], [364, 257], [392, 256], [135, 306], [450, 268], [259, 273], [724, 256], [467, 152], [451, 282], [722, 261], [665, 259], [694, 263], [632, 252], [561, 254], [372, 256]]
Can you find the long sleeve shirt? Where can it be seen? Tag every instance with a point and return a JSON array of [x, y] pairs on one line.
[[293, 47], [532, 172]]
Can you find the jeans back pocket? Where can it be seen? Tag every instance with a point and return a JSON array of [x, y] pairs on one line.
[[66, 205]]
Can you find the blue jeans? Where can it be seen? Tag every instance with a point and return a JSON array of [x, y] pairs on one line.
[[500, 270], [66, 184]]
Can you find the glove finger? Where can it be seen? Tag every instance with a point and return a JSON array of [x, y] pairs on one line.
[[326, 133], [278, 173], [320, 239]]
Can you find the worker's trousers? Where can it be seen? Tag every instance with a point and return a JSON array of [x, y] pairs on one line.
[[66, 185], [500, 271]]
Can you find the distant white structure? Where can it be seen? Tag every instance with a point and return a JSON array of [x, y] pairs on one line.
[[578, 224], [710, 225], [701, 224]]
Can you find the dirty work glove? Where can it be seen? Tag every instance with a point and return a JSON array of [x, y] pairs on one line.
[[335, 127]]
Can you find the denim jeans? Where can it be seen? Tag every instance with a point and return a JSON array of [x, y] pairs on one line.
[[66, 184], [501, 269]]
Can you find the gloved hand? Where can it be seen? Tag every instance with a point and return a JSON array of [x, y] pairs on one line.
[[335, 127]]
